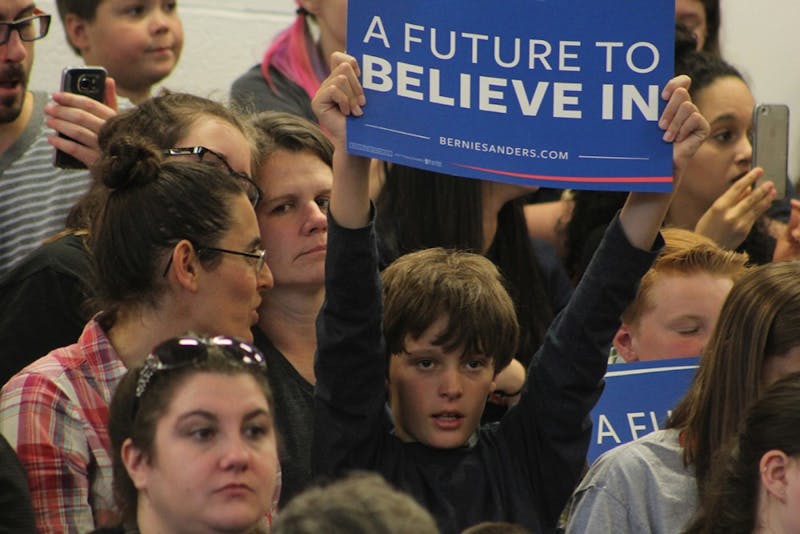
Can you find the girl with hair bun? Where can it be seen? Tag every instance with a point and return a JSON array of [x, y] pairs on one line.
[[54, 285], [175, 248]]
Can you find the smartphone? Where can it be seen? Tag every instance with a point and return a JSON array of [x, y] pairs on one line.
[[771, 144], [86, 81]]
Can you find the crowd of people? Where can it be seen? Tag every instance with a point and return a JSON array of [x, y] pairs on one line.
[[222, 324]]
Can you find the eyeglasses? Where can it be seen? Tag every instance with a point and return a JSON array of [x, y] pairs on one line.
[[258, 255], [206, 155], [28, 29], [189, 350]]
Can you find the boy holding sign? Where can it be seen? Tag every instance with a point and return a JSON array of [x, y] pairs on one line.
[[441, 343]]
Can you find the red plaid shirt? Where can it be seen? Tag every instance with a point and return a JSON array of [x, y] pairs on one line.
[[54, 413]]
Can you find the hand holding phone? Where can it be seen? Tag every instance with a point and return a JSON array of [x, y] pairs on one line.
[[771, 144], [86, 81]]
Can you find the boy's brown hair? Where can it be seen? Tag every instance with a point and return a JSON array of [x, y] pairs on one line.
[[83, 9], [467, 288]]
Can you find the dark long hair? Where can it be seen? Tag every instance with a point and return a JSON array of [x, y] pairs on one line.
[[731, 498], [419, 209], [759, 320]]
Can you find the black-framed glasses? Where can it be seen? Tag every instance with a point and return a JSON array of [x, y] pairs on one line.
[[206, 155], [191, 350], [259, 255], [28, 29]]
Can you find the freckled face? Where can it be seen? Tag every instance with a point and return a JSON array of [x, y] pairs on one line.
[[683, 313]]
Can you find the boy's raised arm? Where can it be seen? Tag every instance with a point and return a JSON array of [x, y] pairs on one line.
[[685, 127], [341, 95]]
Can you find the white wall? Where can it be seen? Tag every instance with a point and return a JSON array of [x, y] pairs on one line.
[[761, 39], [223, 38], [222, 42]]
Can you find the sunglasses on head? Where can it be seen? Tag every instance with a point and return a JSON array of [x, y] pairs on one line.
[[206, 155], [187, 351]]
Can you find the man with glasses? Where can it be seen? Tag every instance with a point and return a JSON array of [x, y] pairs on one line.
[[35, 197]]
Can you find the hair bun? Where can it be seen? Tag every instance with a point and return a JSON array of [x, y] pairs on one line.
[[129, 163]]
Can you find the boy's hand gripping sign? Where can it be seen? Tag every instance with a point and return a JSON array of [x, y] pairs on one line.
[[556, 93]]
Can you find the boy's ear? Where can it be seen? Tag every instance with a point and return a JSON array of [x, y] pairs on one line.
[[623, 343], [773, 469], [76, 30]]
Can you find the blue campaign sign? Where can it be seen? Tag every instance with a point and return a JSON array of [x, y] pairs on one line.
[[558, 93], [637, 400]]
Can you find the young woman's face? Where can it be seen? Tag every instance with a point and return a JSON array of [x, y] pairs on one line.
[[215, 463], [292, 216], [727, 104]]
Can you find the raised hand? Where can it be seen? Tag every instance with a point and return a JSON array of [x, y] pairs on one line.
[[338, 96], [341, 95], [682, 123], [686, 129]]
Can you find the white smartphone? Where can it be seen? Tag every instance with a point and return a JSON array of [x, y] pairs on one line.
[[771, 144]]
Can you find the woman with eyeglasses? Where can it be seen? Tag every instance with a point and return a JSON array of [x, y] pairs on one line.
[[175, 247], [186, 458], [53, 285]]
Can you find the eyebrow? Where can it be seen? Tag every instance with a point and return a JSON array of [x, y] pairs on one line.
[[197, 413], [725, 117], [24, 11], [205, 414], [257, 413], [255, 242]]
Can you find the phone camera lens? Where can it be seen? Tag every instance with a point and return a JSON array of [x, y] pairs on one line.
[[87, 83]]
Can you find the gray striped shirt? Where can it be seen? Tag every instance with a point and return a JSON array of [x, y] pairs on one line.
[[35, 196]]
